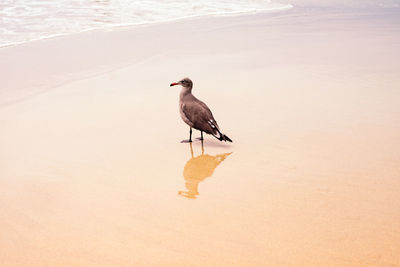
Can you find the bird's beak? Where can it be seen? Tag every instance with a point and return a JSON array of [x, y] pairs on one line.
[[172, 84]]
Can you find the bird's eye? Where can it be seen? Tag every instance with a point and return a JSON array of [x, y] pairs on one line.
[[182, 81]]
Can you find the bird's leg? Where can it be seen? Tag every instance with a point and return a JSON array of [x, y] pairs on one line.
[[190, 137], [200, 138]]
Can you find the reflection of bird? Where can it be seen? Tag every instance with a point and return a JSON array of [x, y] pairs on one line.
[[196, 114], [199, 168]]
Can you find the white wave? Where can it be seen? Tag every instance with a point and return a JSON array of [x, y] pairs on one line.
[[26, 20]]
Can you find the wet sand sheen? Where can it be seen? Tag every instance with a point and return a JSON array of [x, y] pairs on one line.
[[92, 171]]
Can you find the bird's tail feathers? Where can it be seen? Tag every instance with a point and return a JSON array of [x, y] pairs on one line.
[[222, 137], [227, 138]]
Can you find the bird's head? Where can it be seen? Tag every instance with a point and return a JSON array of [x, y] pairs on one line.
[[185, 82]]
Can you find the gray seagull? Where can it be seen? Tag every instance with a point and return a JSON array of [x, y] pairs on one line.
[[196, 114]]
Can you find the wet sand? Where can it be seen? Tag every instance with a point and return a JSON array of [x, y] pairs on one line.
[[92, 171]]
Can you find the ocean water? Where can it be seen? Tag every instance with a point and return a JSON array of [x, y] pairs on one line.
[[27, 20]]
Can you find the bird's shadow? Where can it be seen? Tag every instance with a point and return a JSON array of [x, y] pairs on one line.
[[197, 169]]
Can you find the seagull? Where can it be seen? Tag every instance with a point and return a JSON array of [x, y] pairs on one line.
[[196, 114]]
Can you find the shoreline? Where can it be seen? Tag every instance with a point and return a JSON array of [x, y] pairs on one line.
[[144, 24], [82, 43], [8, 53], [328, 8]]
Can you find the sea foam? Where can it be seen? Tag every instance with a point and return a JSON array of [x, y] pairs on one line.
[[27, 20]]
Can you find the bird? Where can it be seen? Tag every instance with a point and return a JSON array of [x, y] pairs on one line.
[[196, 113]]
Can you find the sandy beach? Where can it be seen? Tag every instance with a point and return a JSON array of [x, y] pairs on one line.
[[92, 171]]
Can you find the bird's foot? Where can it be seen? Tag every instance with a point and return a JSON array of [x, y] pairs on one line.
[[200, 138], [186, 141]]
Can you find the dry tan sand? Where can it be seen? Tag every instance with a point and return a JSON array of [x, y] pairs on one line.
[[92, 171]]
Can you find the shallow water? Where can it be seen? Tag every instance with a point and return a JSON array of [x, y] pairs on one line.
[[26, 20]]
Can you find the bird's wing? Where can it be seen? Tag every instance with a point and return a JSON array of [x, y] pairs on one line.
[[211, 120], [201, 117]]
